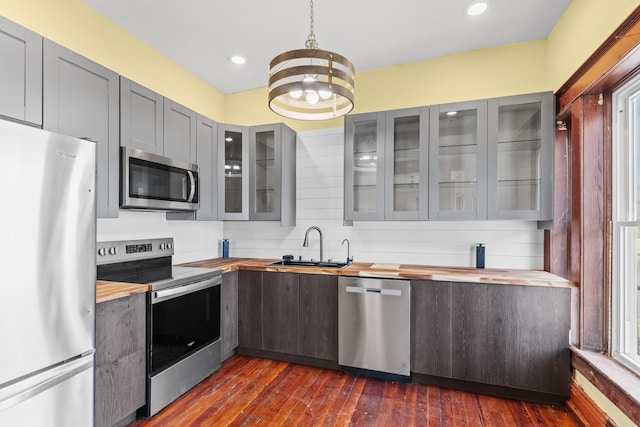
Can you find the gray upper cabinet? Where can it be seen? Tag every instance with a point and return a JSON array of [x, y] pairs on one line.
[[474, 160], [207, 159], [406, 164], [141, 117], [272, 174], [179, 132], [21, 73], [80, 98], [386, 165], [520, 162], [233, 172], [257, 173], [458, 152], [155, 124], [364, 167]]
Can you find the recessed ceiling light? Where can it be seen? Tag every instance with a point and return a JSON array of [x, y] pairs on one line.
[[477, 8], [238, 59]]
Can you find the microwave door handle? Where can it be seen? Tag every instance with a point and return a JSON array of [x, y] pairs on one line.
[[192, 191]]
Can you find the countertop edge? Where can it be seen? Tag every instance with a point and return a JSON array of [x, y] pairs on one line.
[[410, 272], [108, 291]]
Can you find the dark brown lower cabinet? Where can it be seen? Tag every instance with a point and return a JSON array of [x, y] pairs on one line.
[[250, 309], [289, 316], [280, 311], [229, 314], [318, 330], [431, 328], [507, 340], [120, 359]]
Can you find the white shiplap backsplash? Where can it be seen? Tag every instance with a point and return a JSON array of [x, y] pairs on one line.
[[319, 170], [193, 240]]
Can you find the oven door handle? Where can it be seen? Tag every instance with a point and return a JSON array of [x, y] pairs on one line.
[[169, 293]]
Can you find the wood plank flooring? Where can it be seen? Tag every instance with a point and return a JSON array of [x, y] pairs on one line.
[[249, 391]]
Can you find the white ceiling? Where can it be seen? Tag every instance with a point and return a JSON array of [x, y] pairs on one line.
[[201, 35]]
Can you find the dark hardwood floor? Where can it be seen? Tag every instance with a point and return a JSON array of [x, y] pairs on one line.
[[251, 391]]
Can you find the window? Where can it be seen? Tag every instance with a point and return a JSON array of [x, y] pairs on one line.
[[626, 225]]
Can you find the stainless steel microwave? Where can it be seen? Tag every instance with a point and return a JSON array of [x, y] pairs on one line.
[[150, 181]]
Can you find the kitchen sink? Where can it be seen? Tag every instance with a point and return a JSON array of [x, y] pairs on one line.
[[317, 264]]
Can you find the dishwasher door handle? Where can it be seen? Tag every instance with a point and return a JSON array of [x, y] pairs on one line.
[[361, 290]]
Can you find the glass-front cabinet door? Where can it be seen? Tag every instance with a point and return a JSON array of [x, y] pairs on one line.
[[364, 167], [520, 157], [406, 157], [264, 199], [233, 179], [272, 174], [458, 153]]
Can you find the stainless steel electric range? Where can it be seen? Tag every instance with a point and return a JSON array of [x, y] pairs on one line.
[[183, 315]]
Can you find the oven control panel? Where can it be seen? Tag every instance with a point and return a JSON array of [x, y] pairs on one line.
[[131, 250]]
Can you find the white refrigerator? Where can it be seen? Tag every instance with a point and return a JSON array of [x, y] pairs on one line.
[[47, 278]]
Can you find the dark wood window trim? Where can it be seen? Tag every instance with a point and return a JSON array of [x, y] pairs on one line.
[[579, 245], [582, 193], [609, 66]]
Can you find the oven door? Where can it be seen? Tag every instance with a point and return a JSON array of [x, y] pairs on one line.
[[182, 320], [149, 181]]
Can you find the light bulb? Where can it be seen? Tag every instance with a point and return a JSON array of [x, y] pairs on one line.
[[312, 97], [325, 94], [295, 94]]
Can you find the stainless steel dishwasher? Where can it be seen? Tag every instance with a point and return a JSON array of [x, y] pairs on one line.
[[373, 326]]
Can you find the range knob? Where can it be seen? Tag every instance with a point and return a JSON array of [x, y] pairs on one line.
[[169, 245], [102, 251], [163, 246], [113, 251]]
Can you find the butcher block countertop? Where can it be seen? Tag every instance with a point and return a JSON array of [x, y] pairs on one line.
[[107, 291], [397, 271]]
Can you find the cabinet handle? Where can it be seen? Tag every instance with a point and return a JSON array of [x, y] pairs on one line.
[[360, 290]]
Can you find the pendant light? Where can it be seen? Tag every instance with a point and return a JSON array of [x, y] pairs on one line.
[[311, 83]]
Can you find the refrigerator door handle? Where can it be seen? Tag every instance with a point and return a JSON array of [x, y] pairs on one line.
[[24, 390]]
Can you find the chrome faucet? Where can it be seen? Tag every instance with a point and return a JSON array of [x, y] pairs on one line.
[[306, 239], [349, 259]]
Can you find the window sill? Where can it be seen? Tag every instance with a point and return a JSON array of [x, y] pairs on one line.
[[620, 385]]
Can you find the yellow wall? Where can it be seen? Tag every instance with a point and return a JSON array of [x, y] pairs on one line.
[[520, 68], [76, 26], [583, 27], [501, 71]]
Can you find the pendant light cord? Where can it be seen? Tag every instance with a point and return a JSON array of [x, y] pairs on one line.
[[311, 42]]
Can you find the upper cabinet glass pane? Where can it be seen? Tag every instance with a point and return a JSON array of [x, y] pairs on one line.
[[365, 166], [265, 176], [519, 155], [233, 172], [406, 164], [457, 160]]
